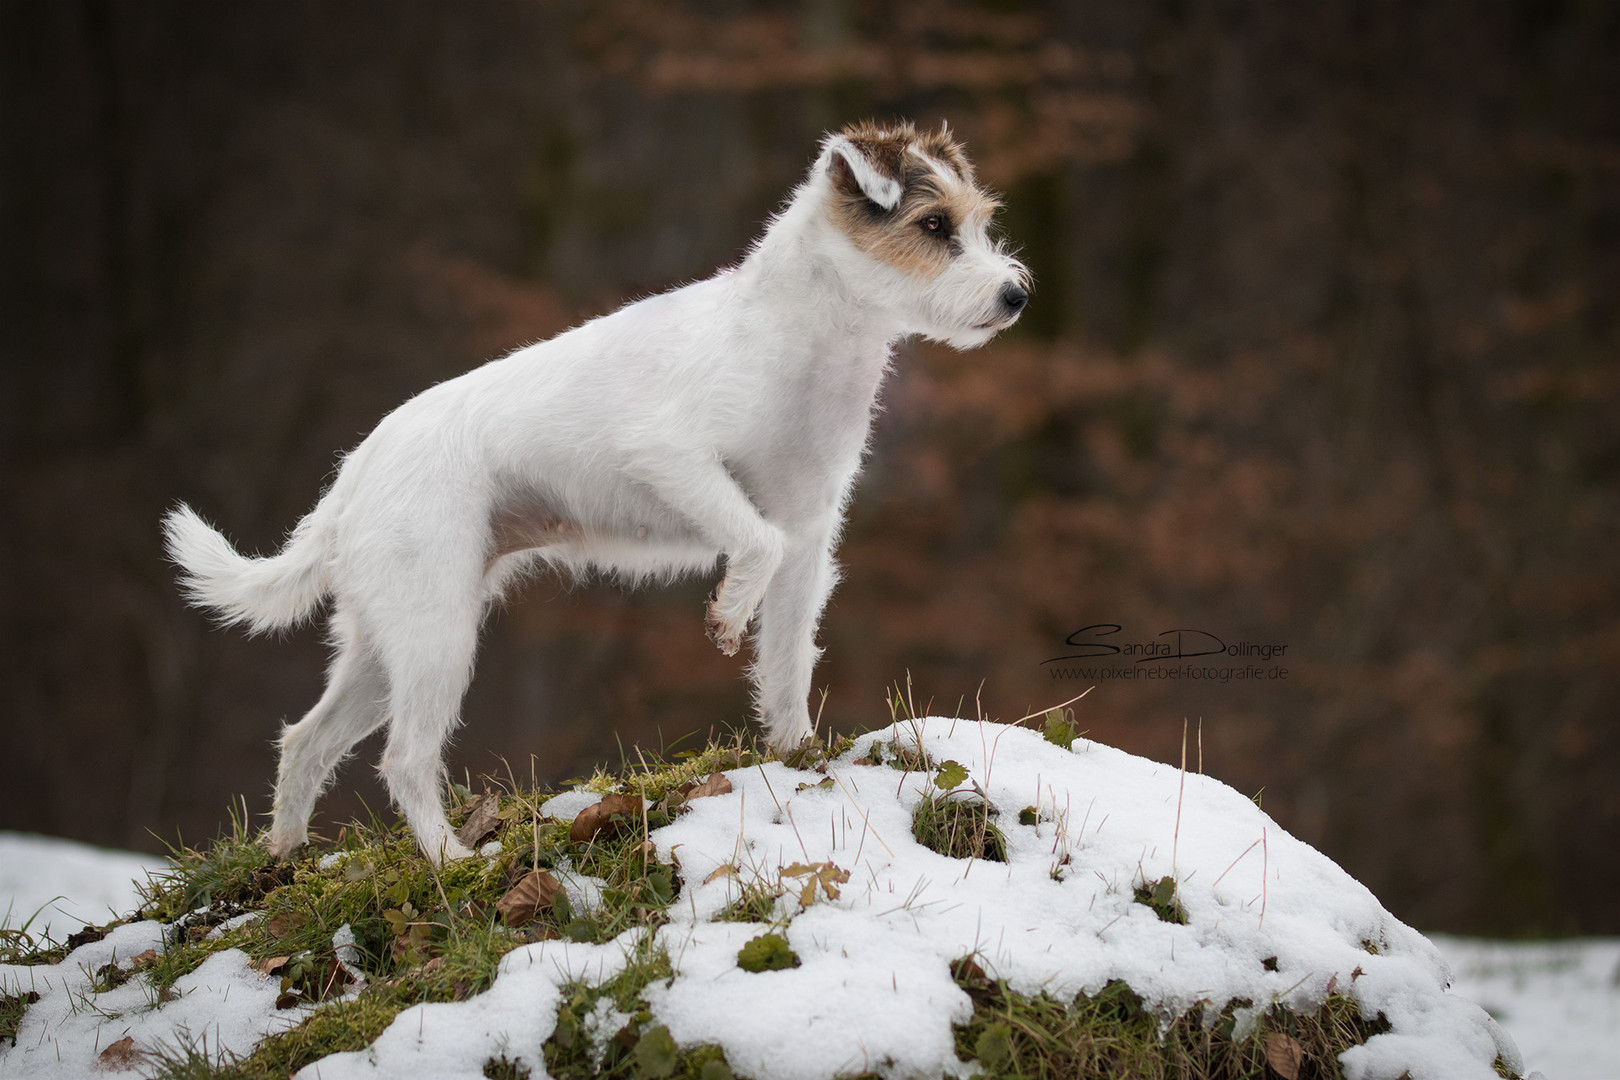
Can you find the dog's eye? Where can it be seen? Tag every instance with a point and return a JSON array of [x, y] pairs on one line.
[[933, 223]]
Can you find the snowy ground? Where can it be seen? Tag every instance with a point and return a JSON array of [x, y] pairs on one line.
[[61, 885], [874, 986]]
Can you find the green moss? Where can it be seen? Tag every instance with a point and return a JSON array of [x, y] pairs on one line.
[[1112, 1034], [768, 952]]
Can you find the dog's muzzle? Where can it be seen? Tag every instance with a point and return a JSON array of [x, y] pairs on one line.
[[1011, 299]]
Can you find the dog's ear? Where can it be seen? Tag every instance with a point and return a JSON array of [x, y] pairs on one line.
[[854, 173]]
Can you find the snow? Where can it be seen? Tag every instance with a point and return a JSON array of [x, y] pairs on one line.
[[224, 1005], [874, 989], [1561, 999], [68, 884]]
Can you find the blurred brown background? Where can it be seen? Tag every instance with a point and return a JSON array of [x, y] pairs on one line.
[[1323, 353]]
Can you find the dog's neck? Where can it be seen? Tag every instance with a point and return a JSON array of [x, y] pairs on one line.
[[805, 268]]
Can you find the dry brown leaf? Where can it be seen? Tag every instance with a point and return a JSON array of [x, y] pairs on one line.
[[1285, 1055], [967, 969], [120, 1055], [483, 819], [598, 816], [528, 898], [141, 959], [336, 978], [716, 784], [288, 922], [723, 870], [271, 964]]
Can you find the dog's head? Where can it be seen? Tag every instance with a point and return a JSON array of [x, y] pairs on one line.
[[908, 201]]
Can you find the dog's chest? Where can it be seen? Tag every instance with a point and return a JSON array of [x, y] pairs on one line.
[[819, 405]]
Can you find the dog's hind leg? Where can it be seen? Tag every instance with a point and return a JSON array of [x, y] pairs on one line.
[[429, 657], [785, 646], [351, 708]]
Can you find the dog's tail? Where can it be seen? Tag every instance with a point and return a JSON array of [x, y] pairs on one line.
[[266, 593]]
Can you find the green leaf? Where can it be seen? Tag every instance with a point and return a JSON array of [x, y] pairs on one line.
[[715, 1070], [1029, 816], [951, 775], [657, 1054], [659, 887], [994, 1047], [1059, 732]]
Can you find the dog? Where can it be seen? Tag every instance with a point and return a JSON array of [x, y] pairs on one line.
[[723, 422]]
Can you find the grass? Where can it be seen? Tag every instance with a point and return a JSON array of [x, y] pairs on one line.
[[433, 935], [959, 825], [12, 1007], [1112, 1034]]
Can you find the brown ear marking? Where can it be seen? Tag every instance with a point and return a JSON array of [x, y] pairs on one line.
[[897, 236], [885, 147]]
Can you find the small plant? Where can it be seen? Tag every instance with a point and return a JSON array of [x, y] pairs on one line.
[[757, 904], [958, 823], [504, 1068], [12, 1007], [1059, 728], [1161, 896], [604, 1030]]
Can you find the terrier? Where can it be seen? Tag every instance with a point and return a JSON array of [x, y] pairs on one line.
[[723, 420]]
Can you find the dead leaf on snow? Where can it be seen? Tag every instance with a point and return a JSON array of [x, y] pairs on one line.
[[482, 820], [716, 784], [723, 870], [120, 1055], [1285, 1055], [528, 897], [599, 816], [271, 964], [141, 959]]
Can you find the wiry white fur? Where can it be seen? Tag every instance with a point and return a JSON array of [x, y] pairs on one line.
[[727, 417]]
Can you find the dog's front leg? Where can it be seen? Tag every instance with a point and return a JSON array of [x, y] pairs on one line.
[[708, 496], [786, 651]]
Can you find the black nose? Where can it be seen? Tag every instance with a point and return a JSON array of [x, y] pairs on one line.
[[1014, 297]]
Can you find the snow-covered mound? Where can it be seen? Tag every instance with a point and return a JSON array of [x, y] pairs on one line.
[[1267, 919]]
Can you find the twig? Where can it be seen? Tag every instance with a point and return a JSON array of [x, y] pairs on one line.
[[1065, 705]]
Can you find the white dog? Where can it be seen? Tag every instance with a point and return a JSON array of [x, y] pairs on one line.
[[724, 419]]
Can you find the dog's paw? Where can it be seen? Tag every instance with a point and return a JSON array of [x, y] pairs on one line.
[[726, 637], [792, 741], [282, 845], [446, 850]]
